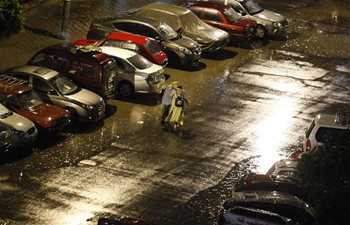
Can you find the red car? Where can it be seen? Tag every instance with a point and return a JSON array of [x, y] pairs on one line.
[[140, 44], [225, 18]]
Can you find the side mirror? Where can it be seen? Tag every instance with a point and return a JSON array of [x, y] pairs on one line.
[[52, 92], [242, 12], [180, 30]]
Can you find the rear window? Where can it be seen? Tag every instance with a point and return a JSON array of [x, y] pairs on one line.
[[330, 134]]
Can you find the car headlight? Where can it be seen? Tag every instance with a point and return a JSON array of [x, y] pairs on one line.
[[277, 25], [185, 50], [89, 107]]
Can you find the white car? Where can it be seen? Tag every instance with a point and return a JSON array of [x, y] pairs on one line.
[[323, 125], [135, 73], [24, 131]]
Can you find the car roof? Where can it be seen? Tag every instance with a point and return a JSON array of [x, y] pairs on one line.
[[331, 120], [11, 85], [118, 52], [64, 49], [212, 5], [166, 8], [151, 21], [127, 36], [45, 73]]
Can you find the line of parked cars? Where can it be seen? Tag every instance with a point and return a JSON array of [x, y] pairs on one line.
[[123, 55]]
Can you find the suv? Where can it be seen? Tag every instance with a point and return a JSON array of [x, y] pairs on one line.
[[23, 100], [93, 70], [57, 89], [137, 43], [135, 73], [24, 131], [325, 126], [269, 23], [184, 20], [225, 18], [178, 48]]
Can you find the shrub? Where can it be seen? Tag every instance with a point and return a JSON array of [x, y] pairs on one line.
[[325, 173], [11, 20]]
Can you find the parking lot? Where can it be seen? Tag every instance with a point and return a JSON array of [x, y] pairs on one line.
[[250, 105]]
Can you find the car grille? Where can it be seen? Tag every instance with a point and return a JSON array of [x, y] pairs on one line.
[[30, 130], [197, 51], [156, 77]]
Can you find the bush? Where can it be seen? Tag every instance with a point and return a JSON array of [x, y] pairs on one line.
[[11, 20], [325, 174]]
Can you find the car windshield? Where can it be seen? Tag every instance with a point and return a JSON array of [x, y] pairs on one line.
[[168, 32], [29, 99], [231, 15], [252, 7], [64, 85], [152, 48], [109, 73], [4, 112], [140, 62]]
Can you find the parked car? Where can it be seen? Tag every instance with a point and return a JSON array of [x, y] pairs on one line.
[[186, 22], [137, 43], [135, 73], [24, 131], [91, 69], [5, 138], [284, 167], [264, 182], [23, 100], [325, 126], [250, 216], [269, 23], [179, 49], [225, 18], [282, 204], [57, 89]]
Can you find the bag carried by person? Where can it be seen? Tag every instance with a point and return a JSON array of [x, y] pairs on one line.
[[179, 101]]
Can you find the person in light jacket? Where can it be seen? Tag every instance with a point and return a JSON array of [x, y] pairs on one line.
[[177, 108]]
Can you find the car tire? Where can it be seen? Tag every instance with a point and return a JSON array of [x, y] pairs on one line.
[[125, 89], [260, 31], [73, 118]]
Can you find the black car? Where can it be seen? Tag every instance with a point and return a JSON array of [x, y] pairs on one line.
[[285, 205]]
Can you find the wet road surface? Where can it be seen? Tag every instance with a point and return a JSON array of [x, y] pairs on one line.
[[249, 107]]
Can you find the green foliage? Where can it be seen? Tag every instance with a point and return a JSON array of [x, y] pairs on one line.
[[11, 20], [325, 173]]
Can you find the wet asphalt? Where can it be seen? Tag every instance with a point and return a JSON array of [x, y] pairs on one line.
[[250, 105]]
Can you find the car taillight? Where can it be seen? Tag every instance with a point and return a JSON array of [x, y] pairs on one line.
[[93, 28], [308, 145]]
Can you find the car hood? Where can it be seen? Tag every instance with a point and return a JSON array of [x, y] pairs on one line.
[[85, 96], [244, 23], [186, 42], [155, 68], [18, 122], [270, 16], [206, 35]]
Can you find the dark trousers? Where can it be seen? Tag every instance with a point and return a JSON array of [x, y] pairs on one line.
[[165, 112]]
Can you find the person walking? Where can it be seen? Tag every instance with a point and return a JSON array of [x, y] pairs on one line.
[[177, 108], [167, 98]]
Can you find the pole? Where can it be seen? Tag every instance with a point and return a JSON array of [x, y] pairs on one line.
[[65, 17]]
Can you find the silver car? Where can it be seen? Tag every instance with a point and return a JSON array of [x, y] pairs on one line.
[[268, 23], [57, 89], [24, 131]]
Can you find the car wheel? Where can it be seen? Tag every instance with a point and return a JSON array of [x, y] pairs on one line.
[[73, 117], [260, 31], [125, 89]]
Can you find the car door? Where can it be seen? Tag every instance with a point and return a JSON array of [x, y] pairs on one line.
[[124, 71]]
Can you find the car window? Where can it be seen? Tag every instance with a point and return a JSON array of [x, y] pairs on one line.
[[64, 85], [252, 7], [212, 15], [88, 70], [196, 11], [62, 64], [119, 64], [29, 99], [109, 73], [24, 77], [4, 112], [231, 15], [41, 85], [236, 6], [43, 59], [168, 32], [145, 31], [331, 134], [128, 27]]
